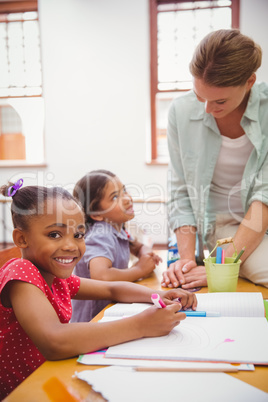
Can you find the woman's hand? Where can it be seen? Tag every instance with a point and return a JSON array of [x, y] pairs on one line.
[[174, 276], [184, 273], [195, 278]]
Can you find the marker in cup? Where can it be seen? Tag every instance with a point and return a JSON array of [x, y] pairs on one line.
[[239, 255], [218, 255]]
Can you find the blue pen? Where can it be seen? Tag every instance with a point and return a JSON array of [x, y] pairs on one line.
[[219, 255]]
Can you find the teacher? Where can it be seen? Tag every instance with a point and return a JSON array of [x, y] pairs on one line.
[[218, 147]]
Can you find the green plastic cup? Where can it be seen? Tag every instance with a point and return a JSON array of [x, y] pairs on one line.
[[222, 277]]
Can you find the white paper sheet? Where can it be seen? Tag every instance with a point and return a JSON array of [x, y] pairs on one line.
[[99, 359], [121, 384]]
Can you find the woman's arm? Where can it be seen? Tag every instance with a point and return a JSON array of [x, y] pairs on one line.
[[180, 212], [251, 230], [186, 237], [186, 240], [185, 272]]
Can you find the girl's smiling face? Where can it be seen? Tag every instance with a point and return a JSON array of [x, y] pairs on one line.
[[54, 242], [116, 204]]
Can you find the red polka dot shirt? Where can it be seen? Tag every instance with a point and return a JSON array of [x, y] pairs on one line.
[[19, 357]]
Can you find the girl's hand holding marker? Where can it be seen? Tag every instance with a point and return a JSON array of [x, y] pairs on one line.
[[158, 302], [185, 300], [168, 315]]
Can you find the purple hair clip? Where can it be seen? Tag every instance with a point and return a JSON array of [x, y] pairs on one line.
[[13, 189]]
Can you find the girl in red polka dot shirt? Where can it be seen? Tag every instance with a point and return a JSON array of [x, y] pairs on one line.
[[36, 290]]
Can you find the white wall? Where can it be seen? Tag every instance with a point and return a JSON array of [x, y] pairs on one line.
[[97, 87], [97, 91], [253, 22]]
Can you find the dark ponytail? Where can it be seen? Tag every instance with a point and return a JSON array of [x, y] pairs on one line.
[[29, 201]]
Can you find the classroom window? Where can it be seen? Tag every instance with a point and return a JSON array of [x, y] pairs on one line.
[[176, 27], [21, 102]]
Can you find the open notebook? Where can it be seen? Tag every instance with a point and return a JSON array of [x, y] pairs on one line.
[[239, 335], [248, 304]]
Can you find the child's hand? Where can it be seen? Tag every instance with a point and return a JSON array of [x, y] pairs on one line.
[[146, 265], [156, 258], [160, 321], [146, 250], [187, 299]]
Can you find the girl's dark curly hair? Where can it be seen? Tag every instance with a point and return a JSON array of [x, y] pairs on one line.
[[89, 191], [29, 202]]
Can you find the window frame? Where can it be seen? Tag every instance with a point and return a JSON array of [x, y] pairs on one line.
[[21, 6], [18, 6], [235, 7]]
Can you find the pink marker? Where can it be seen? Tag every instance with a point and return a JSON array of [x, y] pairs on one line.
[[223, 257], [158, 302]]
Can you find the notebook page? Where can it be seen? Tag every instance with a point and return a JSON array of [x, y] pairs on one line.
[[237, 304], [232, 339], [125, 309]]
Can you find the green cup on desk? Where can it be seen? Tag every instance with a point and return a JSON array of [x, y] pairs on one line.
[[222, 277]]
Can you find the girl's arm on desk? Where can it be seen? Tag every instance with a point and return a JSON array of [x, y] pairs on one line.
[[128, 292], [101, 268], [138, 249], [58, 340]]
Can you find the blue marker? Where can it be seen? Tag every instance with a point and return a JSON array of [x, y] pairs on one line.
[[192, 313], [218, 255]]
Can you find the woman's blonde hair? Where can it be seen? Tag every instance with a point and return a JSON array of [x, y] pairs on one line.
[[226, 58]]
